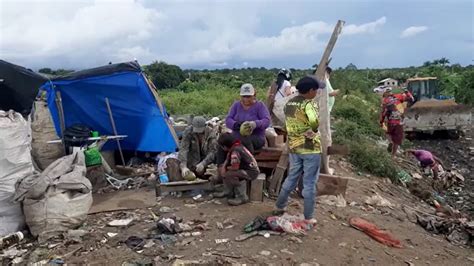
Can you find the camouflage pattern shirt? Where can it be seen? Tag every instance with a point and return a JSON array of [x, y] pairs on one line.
[[192, 150], [301, 117]]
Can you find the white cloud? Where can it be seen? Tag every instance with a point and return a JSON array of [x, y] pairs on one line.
[[88, 33], [412, 31]]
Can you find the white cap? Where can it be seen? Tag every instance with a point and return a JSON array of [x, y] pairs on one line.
[[247, 90]]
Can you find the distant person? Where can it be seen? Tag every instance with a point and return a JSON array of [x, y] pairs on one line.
[[197, 148], [304, 142], [277, 96], [331, 92], [239, 167], [427, 159], [391, 117]]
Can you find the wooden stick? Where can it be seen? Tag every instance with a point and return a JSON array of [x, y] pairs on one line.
[[114, 129], [62, 123], [324, 117]]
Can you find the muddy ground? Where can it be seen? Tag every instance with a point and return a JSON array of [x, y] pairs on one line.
[[333, 241]]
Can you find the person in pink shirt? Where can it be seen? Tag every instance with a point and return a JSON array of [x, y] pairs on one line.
[[427, 159]]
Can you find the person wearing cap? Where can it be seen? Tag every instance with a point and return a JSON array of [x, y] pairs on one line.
[[248, 119], [197, 149], [304, 143]]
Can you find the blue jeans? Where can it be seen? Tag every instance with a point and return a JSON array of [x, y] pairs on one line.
[[309, 165]]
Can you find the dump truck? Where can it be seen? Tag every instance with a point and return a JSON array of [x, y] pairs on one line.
[[430, 112]]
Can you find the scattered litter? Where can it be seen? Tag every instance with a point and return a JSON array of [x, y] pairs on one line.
[[265, 253], [165, 209], [120, 223], [378, 201], [332, 200], [196, 233], [190, 205], [373, 231], [223, 240], [135, 242], [288, 223], [76, 233], [56, 261], [266, 235], [259, 223], [111, 234], [353, 203], [186, 241], [219, 225], [149, 244], [342, 244], [13, 252], [456, 230], [416, 176], [296, 240], [197, 197], [167, 226], [287, 252]]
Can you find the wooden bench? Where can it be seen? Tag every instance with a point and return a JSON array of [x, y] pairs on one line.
[[182, 186]]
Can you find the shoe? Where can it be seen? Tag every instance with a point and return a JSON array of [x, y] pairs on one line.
[[278, 212], [240, 194], [310, 223], [224, 193]]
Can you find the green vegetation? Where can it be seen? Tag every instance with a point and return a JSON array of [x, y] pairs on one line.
[[355, 114]]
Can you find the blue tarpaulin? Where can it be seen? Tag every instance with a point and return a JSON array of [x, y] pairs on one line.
[[135, 109]]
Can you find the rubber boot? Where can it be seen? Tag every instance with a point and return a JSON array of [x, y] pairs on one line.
[[240, 194], [227, 191]]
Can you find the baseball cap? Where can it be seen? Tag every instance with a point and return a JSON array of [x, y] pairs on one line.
[[309, 82], [247, 90], [199, 124]]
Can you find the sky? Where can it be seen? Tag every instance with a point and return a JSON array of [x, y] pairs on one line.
[[205, 34]]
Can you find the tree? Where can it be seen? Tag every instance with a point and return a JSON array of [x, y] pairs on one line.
[[164, 75], [46, 70], [351, 67]]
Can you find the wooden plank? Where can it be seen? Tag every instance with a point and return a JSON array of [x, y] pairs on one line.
[[256, 188], [160, 189], [324, 118], [332, 185], [277, 177], [267, 164], [183, 183]]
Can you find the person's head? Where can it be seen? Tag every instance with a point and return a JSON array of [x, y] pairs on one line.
[[284, 73], [247, 94], [328, 71], [199, 125], [226, 140], [387, 92], [308, 86]]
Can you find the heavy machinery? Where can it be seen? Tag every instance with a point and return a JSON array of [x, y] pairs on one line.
[[430, 113]]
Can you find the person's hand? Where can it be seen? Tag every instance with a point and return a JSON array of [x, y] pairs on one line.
[[309, 134], [335, 92], [253, 125], [185, 171], [247, 128], [200, 167]]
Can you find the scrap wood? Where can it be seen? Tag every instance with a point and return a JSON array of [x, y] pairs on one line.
[[374, 232], [180, 183], [226, 255]]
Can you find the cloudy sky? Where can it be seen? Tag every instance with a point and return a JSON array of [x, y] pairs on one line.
[[235, 33]]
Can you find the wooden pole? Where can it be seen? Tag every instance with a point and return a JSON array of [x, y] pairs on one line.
[[114, 129], [324, 117], [62, 123]]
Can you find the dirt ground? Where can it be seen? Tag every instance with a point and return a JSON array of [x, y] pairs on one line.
[[333, 241]]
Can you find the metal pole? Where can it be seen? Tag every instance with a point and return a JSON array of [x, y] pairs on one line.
[[114, 129]]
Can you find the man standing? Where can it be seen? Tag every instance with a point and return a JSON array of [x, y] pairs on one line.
[[304, 142], [197, 149], [331, 92]]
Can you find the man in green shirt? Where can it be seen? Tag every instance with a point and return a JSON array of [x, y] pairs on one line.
[[304, 143]]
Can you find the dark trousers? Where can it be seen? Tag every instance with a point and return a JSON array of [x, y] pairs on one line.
[[252, 143]]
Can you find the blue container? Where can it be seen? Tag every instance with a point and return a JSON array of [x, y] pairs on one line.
[[164, 178]]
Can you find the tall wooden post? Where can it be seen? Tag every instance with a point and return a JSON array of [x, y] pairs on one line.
[[324, 117]]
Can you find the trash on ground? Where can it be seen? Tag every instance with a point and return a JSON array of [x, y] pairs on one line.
[[120, 222], [265, 253], [135, 242], [373, 231], [288, 223], [223, 240], [378, 201], [332, 200]]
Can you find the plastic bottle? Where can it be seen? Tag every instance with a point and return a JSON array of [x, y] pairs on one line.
[[11, 239]]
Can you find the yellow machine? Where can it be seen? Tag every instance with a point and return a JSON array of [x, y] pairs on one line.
[[429, 113]]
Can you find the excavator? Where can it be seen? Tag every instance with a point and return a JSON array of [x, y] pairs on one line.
[[430, 112]]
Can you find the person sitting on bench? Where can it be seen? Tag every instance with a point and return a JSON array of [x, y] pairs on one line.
[[240, 166]]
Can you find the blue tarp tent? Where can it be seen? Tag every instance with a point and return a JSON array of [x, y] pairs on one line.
[[137, 109]]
